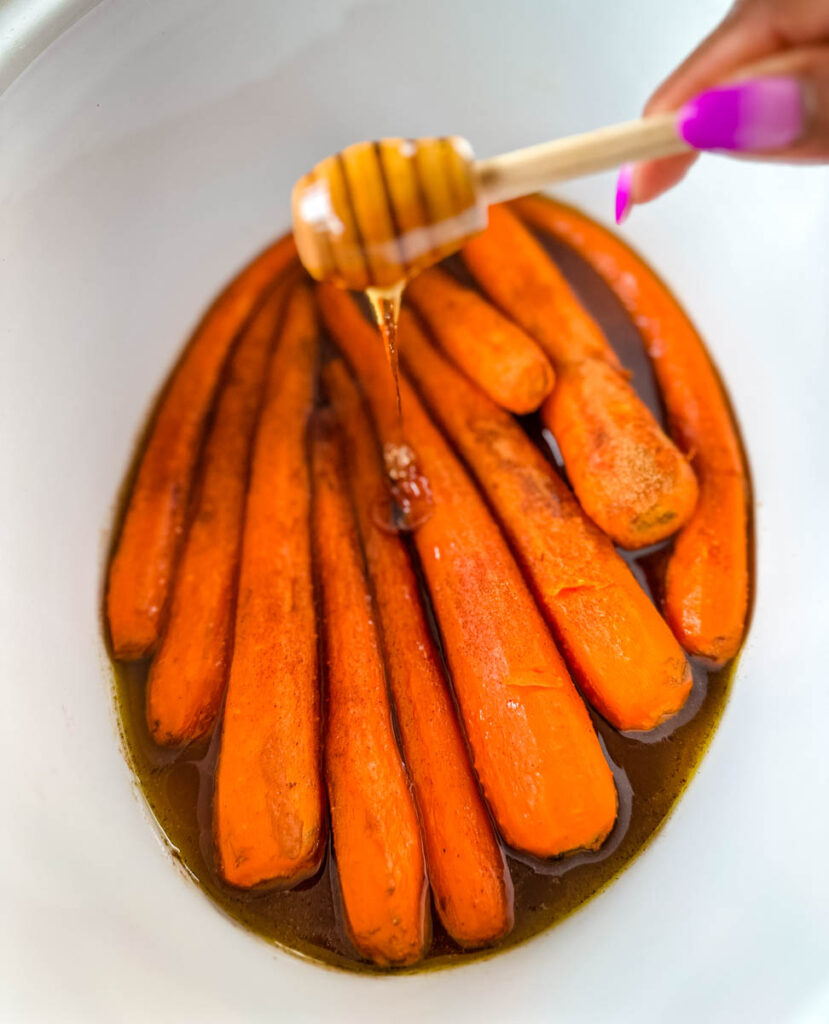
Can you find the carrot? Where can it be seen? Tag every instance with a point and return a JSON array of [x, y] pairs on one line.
[[502, 360], [141, 571], [625, 658], [339, 311], [522, 280], [533, 747], [189, 671], [268, 805], [376, 834], [467, 871], [629, 477], [706, 585]]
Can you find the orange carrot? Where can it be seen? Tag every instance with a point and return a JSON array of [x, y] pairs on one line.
[[533, 746], [706, 587], [626, 659], [188, 674], [522, 280], [338, 310], [629, 477], [376, 834], [268, 806], [140, 574], [490, 349], [467, 871]]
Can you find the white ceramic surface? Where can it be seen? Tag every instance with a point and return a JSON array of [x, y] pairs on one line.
[[145, 155]]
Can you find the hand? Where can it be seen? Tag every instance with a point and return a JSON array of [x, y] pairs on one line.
[[758, 86]]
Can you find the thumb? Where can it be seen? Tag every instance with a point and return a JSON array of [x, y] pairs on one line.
[[777, 109]]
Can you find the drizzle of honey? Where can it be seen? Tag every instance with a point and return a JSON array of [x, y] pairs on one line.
[[408, 503], [386, 305]]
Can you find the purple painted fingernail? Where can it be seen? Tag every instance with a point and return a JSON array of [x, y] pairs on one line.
[[624, 184], [763, 114]]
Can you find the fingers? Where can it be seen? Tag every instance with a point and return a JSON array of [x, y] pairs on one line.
[[755, 39]]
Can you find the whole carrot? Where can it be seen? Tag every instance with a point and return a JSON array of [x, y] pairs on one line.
[[706, 586], [470, 882], [502, 359], [376, 834], [141, 570], [533, 747], [189, 672], [627, 661], [268, 806], [629, 477]]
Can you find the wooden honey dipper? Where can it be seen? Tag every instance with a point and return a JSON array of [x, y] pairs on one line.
[[377, 213]]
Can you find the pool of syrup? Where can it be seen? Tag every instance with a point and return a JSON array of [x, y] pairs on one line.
[[651, 769]]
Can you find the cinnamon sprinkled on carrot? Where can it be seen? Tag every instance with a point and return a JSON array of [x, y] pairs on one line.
[[141, 571], [375, 828], [502, 359], [268, 805], [188, 674]]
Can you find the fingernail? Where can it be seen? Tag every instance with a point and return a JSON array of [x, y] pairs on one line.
[[763, 114], [624, 184]]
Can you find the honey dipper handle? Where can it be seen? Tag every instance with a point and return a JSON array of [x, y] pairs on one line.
[[510, 175]]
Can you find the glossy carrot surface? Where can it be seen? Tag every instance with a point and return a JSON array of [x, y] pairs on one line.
[[706, 591], [141, 571], [628, 475], [189, 672], [520, 278], [467, 871], [376, 834], [624, 656], [533, 746], [268, 805], [499, 356]]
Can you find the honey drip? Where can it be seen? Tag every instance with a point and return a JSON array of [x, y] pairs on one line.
[[409, 499]]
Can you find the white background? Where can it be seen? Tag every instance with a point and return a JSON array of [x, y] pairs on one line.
[[145, 155]]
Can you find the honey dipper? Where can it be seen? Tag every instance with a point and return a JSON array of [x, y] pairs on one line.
[[376, 213]]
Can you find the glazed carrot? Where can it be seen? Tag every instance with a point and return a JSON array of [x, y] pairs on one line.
[[141, 570], [467, 871], [629, 477], [502, 359], [522, 280], [268, 805], [533, 747], [376, 834], [189, 672], [627, 661], [706, 587]]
